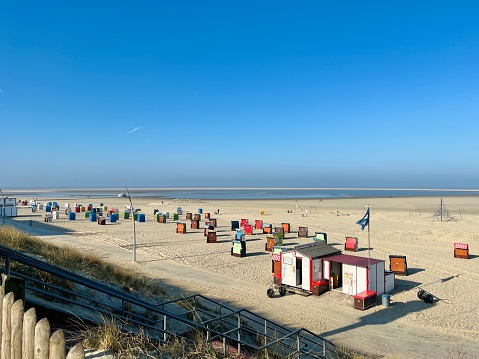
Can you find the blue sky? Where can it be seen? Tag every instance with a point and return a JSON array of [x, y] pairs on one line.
[[239, 94]]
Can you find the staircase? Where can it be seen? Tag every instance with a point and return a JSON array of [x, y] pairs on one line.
[[91, 300]]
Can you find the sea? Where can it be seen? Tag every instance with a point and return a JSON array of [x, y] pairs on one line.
[[238, 193]]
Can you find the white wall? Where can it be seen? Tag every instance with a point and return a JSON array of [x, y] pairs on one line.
[[349, 279], [288, 267], [390, 282], [306, 273], [317, 270], [8, 211], [380, 288]]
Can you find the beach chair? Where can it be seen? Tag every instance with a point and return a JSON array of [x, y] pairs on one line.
[[181, 228], [238, 249], [267, 228], [461, 250], [398, 264], [271, 241], [303, 232], [234, 225], [351, 244], [211, 238], [321, 237], [248, 229]]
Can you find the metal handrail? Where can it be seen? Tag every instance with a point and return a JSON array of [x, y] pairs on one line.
[[233, 329]]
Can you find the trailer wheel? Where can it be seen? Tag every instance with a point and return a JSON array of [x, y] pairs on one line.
[[270, 293], [282, 291]]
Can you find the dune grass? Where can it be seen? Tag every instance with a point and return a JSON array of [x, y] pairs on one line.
[[72, 259]]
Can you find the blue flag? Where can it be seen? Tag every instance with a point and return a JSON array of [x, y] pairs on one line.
[[363, 222]]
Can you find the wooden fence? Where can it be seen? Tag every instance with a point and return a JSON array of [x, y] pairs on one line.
[[21, 337]]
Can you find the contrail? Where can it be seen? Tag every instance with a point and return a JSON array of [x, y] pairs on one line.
[[201, 89], [3, 93], [135, 129]]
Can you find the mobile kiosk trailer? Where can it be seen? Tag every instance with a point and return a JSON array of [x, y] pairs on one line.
[[301, 268]]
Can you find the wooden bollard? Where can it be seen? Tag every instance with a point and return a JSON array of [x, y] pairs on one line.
[[29, 322], [2, 295], [17, 328], [42, 339], [77, 352], [7, 325], [57, 345]]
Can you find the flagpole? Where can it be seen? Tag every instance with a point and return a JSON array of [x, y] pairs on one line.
[[369, 244]]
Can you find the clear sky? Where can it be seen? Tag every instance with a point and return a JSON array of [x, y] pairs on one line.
[[239, 94]]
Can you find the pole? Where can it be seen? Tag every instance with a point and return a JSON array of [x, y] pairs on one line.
[[3, 208], [134, 226], [441, 209], [369, 244]]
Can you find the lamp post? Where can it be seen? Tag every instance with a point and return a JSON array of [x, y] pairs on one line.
[[3, 208], [134, 227]]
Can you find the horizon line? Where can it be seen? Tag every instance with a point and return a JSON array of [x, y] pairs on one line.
[[246, 188]]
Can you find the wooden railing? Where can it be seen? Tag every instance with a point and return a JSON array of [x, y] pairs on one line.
[[21, 337]]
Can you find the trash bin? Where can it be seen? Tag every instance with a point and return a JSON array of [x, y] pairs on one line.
[[386, 298]]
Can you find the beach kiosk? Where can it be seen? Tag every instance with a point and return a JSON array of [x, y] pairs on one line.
[[358, 274], [302, 267], [8, 207]]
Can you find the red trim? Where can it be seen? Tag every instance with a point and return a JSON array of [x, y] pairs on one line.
[[311, 274], [281, 267]]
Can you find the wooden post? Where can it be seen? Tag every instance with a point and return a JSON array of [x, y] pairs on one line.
[[57, 345], [77, 352], [2, 295], [29, 322], [42, 339], [6, 327], [23, 338], [17, 329]]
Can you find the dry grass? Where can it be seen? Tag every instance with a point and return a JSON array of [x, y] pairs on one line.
[[74, 260]]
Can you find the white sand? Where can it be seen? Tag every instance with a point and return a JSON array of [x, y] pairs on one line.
[[400, 226]]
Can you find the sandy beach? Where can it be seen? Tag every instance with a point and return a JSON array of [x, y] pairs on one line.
[[408, 328]]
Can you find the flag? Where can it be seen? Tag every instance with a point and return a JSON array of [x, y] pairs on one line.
[[363, 222]]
